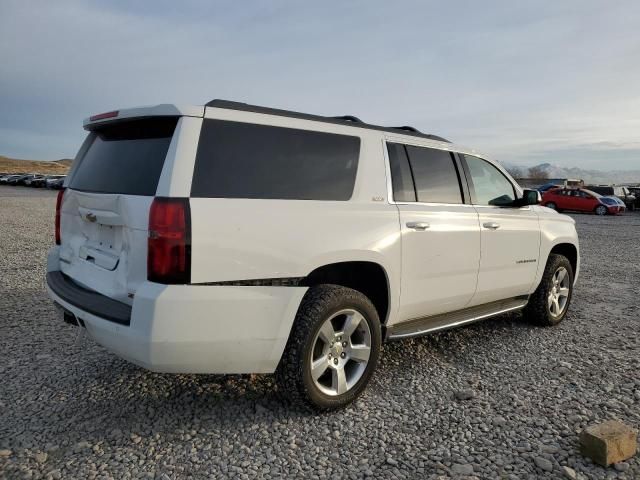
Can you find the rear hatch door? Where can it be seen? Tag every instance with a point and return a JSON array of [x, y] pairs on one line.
[[104, 216]]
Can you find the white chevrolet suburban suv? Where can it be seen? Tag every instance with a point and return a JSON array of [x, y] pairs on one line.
[[230, 238]]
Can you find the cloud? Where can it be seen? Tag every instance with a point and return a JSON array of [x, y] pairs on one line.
[[516, 81]]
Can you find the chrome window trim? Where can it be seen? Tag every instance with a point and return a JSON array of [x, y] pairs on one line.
[[387, 170]]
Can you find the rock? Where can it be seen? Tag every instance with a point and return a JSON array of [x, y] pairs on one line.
[[569, 473], [608, 442], [499, 421], [621, 466], [550, 449], [41, 457], [5, 453], [543, 464], [462, 469], [392, 461], [466, 394]]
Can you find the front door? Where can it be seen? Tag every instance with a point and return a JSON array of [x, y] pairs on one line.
[[510, 236]]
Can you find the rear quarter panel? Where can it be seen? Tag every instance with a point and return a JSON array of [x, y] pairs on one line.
[[243, 239]]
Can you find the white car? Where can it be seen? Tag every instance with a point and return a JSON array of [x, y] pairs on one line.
[[230, 238]]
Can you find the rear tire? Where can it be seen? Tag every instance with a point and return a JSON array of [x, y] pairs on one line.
[[550, 302], [551, 205], [333, 349]]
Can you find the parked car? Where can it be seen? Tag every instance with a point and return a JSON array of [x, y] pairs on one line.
[[5, 179], [618, 201], [17, 179], [44, 182], [635, 191], [55, 181], [39, 181], [29, 181], [580, 200], [622, 193], [278, 242]]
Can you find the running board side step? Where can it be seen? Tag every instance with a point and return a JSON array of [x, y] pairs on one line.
[[421, 326]]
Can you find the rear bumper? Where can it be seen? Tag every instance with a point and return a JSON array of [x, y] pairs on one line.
[[192, 329], [87, 300]]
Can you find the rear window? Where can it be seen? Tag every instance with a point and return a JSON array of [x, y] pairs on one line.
[[435, 175], [244, 160], [125, 157]]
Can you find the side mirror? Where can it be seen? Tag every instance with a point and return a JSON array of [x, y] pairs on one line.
[[529, 197]]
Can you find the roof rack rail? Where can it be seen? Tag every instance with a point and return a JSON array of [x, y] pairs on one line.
[[348, 118], [407, 128], [355, 121]]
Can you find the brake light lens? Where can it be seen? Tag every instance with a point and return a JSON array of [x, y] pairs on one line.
[[58, 208], [103, 116], [169, 244]]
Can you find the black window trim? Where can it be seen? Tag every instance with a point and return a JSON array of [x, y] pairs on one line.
[[463, 182], [472, 190]]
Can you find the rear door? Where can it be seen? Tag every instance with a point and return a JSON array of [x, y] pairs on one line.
[[510, 236], [440, 233], [104, 216]]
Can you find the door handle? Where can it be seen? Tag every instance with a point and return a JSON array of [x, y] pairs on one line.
[[491, 225], [418, 225]]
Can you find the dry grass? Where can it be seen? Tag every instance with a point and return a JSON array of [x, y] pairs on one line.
[[11, 165]]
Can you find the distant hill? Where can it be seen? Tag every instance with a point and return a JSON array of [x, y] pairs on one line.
[[12, 165], [589, 176]]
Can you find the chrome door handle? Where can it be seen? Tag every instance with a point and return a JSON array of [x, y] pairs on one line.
[[491, 225], [418, 225]]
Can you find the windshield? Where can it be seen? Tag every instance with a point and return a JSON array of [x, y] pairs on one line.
[[590, 192]]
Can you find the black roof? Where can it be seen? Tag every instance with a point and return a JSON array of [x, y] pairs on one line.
[[341, 120]]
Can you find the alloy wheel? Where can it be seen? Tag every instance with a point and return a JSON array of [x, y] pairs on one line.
[[340, 352], [559, 293]]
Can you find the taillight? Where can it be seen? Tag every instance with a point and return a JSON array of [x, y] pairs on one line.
[[58, 208], [103, 116], [169, 244]]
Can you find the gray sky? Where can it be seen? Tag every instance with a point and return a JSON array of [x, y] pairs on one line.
[[525, 83]]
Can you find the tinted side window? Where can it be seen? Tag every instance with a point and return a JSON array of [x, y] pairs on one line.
[[435, 175], [401, 178], [244, 160], [490, 185]]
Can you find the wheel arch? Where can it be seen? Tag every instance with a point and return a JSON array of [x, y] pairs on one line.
[[369, 278], [569, 251]]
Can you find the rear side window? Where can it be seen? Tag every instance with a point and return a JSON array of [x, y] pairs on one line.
[[435, 175], [124, 157], [401, 179], [244, 160]]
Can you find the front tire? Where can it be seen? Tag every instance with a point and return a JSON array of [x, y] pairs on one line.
[[550, 302], [601, 210], [333, 349]]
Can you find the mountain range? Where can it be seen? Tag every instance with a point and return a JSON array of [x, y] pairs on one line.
[[589, 176]]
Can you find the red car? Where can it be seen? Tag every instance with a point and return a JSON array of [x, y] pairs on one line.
[[580, 200]]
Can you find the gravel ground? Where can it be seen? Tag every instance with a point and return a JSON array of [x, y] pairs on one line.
[[499, 399]]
